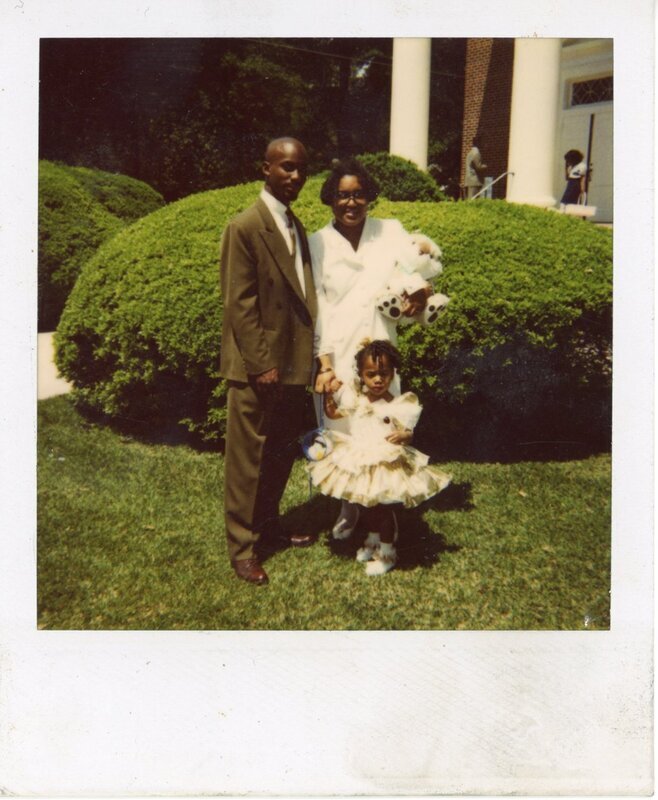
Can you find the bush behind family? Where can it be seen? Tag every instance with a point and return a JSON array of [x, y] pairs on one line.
[[526, 338]]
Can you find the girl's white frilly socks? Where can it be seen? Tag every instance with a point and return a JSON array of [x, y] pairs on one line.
[[367, 552], [379, 557], [383, 560]]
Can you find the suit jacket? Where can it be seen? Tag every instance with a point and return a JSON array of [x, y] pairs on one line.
[[267, 320]]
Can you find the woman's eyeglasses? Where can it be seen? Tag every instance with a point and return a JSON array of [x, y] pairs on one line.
[[359, 196]]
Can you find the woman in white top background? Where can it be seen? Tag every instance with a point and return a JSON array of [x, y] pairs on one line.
[[575, 172], [353, 258]]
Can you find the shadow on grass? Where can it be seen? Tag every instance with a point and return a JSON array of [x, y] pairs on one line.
[[152, 430], [312, 517], [419, 545], [315, 516], [475, 435], [455, 497]]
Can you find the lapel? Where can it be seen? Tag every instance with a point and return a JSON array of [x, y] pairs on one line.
[[282, 258]]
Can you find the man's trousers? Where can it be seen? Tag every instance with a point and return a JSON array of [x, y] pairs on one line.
[[262, 442]]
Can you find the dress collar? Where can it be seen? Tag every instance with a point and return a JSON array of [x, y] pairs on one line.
[[338, 242]]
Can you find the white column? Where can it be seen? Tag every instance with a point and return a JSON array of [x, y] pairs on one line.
[[410, 99], [533, 122]]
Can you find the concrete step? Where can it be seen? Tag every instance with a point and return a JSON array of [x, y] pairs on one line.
[[49, 382]]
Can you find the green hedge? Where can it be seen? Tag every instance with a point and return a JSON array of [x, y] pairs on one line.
[[524, 351], [400, 179], [80, 208], [125, 197], [527, 331]]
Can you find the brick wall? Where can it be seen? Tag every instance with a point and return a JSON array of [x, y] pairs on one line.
[[487, 102]]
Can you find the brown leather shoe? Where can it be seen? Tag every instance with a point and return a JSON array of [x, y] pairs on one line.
[[250, 570]]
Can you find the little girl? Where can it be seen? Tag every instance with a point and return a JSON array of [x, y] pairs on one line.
[[374, 466]]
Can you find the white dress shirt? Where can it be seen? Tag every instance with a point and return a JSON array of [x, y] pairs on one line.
[[278, 211]]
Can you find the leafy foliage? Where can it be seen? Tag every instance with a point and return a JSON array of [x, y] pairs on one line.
[[526, 336], [139, 336], [78, 210], [201, 149], [125, 197], [188, 115], [526, 340], [400, 179], [71, 226]]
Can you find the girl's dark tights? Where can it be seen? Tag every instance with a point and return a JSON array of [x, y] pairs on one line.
[[379, 519]]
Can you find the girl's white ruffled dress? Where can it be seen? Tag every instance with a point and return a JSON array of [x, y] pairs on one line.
[[366, 469]]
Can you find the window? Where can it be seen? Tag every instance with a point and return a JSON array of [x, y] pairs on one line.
[[596, 90]]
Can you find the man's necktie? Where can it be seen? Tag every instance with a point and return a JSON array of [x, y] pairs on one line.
[[291, 231]]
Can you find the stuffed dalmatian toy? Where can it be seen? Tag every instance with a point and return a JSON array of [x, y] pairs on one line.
[[418, 265]]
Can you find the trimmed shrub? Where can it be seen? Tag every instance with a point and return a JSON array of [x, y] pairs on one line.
[[140, 334], [78, 210], [524, 349], [527, 331], [400, 179], [126, 198]]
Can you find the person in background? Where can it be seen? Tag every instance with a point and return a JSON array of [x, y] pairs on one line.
[[475, 169], [575, 171]]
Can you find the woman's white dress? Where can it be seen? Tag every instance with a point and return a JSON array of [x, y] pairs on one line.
[[348, 283], [364, 468]]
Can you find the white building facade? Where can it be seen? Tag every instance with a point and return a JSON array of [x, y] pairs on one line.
[[529, 100]]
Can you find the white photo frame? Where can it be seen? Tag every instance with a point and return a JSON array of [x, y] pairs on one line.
[[339, 713]]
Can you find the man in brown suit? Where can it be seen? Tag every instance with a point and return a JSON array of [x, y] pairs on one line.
[[266, 356]]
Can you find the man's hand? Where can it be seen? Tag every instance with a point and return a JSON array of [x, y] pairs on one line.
[[267, 381], [414, 303]]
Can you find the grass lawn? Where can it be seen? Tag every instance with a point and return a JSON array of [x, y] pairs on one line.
[[130, 536]]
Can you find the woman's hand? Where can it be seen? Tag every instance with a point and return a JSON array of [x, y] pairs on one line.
[[400, 437], [323, 381], [414, 303]]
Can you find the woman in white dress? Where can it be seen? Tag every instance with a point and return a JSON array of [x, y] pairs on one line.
[[353, 259]]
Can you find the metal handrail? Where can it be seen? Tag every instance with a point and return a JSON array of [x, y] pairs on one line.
[[489, 185]]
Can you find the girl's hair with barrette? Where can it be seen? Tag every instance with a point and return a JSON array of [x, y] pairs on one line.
[[377, 349]]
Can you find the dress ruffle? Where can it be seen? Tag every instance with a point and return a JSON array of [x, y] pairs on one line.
[[373, 475], [363, 467]]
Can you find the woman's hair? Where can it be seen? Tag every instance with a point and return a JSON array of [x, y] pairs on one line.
[[573, 157], [377, 350], [348, 166]]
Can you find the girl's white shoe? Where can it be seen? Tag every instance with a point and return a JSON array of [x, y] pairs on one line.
[[346, 522], [383, 560], [369, 548]]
